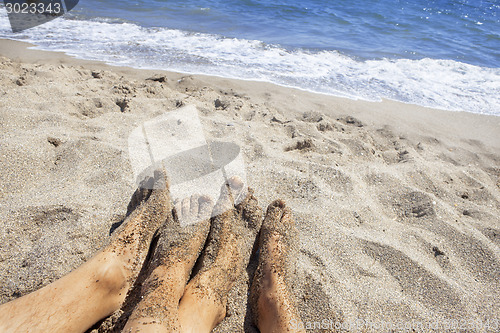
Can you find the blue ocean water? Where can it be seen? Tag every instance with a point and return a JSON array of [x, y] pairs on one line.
[[438, 53]]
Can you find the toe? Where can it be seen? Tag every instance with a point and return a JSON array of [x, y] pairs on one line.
[[161, 180], [178, 207], [140, 196], [251, 212], [194, 205], [235, 183], [193, 209], [205, 205], [185, 208], [237, 189], [274, 214], [225, 202], [279, 221], [277, 204]]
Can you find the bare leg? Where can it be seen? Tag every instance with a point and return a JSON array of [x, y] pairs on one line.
[[272, 303], [232, 234], [172, 262], [97, 288]]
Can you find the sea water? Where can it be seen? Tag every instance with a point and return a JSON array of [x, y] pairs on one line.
[[438, 53]]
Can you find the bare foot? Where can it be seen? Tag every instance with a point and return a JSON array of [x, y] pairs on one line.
[[232, 234], [131, 241], [272, 302], [170, 267], [98, 287]]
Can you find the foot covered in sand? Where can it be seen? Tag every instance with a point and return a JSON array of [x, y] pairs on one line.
[[148, 210], [271, 299], [165, 303], [172, 261], [232, 235], [98, 287]]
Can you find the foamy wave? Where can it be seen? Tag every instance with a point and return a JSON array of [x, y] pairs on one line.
[[444, 84]]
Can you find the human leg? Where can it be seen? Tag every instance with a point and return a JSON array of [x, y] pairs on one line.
[[97, 288], [271, 299], [170, 267], [231, 238]]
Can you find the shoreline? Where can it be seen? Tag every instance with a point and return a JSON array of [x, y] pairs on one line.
[[375, 99], [397, 205], [21, 52]]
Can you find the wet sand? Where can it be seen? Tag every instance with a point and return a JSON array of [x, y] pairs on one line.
[[397, 206]]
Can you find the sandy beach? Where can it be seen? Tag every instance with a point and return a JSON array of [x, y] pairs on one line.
[[397, 205]]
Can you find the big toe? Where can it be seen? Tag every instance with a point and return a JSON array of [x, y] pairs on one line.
[[192, 210]]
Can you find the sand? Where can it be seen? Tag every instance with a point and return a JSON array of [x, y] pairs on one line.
[[397, 206]]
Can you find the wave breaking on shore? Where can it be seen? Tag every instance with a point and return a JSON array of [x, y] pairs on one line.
[[443, 84]]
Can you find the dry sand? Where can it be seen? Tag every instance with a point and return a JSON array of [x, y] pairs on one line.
[[397, 206]]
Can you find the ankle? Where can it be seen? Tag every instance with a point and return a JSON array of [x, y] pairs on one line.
[[200, 313]]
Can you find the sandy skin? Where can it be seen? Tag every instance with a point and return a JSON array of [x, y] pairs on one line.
[[97, 288], [271, 299], [167, 303], [165, 300], [412, 178]]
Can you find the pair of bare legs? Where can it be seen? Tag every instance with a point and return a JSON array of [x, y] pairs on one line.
[[167, 299]]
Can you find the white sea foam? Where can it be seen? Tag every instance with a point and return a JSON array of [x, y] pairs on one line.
[[444, 84]]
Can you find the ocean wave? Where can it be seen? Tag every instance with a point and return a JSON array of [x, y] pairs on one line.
[[444, 84]]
